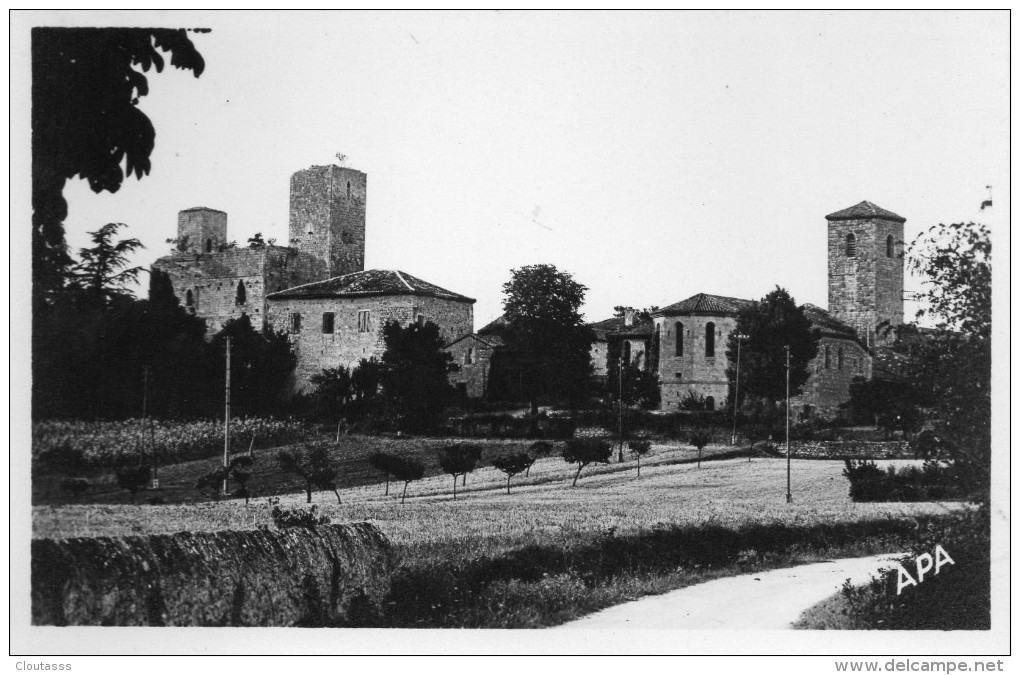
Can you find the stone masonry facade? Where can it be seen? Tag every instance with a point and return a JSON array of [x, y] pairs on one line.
[[472, 356]]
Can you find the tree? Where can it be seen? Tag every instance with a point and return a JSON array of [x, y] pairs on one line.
[[407, 470], [241, 471], [512, 465], [414, 375], [386, 463], [585, 451], [256, 242], [86, 83], [103, 270], [261, 365], [536, 450], [459, 460], [314, 466], [699, 439], [640, 387], [547, 343], [957, 358], [334, 389], [771, 325], [639, 449]]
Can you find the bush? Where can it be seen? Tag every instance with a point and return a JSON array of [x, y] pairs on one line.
[[132, 478], [284, 518], [935, 481]]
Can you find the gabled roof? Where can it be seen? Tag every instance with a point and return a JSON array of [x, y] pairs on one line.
[[863, 211], [368, 283], [200, 208], [826, 323], [704, 304], [487, 340], [494, 327]]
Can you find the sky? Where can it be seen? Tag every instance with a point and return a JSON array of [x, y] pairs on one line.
[[651, 155]]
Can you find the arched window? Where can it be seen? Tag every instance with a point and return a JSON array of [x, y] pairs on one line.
[[889, 247], [189, 298], [710, 339], [469, 358], [208, 245], [679, 339], [242, 295], [839, 359], [827, 364], [709, 403], [851, 245]]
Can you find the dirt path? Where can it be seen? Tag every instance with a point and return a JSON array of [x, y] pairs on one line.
[[760, 601]]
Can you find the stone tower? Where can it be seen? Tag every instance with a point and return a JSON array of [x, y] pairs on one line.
[[327, 221], [866, 270], [201, 230]]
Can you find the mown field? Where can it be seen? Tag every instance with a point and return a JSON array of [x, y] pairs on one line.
[[549, 552]]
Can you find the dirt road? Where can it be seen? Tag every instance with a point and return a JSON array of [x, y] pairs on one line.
[[760, 601]]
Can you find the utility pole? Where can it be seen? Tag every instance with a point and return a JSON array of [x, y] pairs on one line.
[[789, 494], [736, 394], [226, 420], [620, 419]]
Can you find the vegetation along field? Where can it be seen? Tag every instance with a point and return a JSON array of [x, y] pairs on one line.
[[549, 552]]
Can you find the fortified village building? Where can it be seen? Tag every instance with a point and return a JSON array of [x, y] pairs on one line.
[[317, 289], [685, 343]]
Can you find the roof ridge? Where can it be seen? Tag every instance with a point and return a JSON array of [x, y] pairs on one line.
[[401, 277]]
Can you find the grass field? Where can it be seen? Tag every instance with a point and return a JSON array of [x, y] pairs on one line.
[[469, 549]]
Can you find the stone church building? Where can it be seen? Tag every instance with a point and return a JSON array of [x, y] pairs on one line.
[[316, 289], [865, 295]]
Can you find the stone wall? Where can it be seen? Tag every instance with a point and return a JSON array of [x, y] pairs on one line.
[[213, 280], [331, 576], [866, 289], [828, 385], [473, 358], [680, 373], [349, 342], [327, 220], [849, 449]]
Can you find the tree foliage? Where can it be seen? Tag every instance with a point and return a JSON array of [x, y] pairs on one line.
[[547, 344], [314, 466], [459, 460], [956, 357], [770, 325], [103, 271], [639, 448], [699, 439], [86, 84], [260, 366], [585, 451], [414, 375], [513, 464]]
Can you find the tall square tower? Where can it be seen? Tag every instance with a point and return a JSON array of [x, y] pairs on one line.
[[866, 270], [327, 220]]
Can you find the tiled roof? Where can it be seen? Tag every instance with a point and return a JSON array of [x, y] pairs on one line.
[[863, 211], [704, 304], [490, 340], [201, 208], [618, 327], [494, 327], [826, 323], [368, 283]]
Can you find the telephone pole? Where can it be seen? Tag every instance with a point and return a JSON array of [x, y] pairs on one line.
[[226, 420], [789, 494]]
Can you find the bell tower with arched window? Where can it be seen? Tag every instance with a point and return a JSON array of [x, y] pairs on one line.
[[866, 270]]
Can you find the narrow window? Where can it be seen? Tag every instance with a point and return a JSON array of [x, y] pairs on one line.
[[208, 245], [348, 189], [839, 359], [851, 245], [420, 320], [827, 364], [295, 323], [327, 322], [469, 358], [889, 247], [363, 321], [626, 352], [242, 295], [189, 298], [710, 339], [709, 403], [679, 339]]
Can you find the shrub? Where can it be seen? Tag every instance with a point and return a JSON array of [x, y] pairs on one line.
[[867, 482], [699, 439], [935, 481], [213, 481], [584, 451], [512, 465], [284, 518]]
